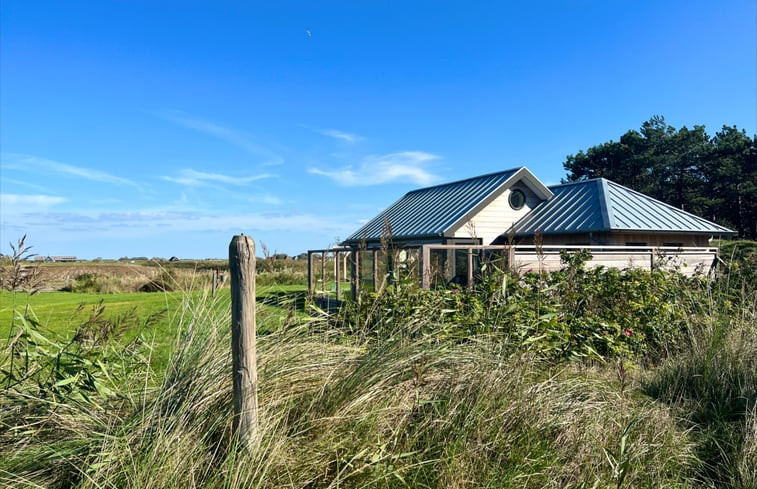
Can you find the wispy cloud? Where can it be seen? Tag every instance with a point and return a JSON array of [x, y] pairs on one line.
[[24, 162], [237, 138], [198, 178], [405, 166], [22, 183], [124, 223], [342, 136], [30, 200], [265, 199]]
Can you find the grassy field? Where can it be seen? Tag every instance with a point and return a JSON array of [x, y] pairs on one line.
[[156, 314], [575, 379]]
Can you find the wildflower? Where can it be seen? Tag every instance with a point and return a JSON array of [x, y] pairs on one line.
[[455, 291], [628, 332]]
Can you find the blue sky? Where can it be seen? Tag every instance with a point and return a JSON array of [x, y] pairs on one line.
[[131, 128]]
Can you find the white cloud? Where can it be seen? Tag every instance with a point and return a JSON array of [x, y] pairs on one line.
[[22, 183], [196, 178], [232, 136], [405, 166], [343, 136], [265, 199], [24, 162], [30, 200], [124, 223]]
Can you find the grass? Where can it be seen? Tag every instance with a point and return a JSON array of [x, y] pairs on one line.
[[61, 313], [413, 413], [414, 389]]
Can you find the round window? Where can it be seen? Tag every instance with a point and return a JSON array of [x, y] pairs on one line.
[[517, 199]]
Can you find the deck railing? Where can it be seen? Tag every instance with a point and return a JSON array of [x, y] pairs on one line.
[[332, 270]]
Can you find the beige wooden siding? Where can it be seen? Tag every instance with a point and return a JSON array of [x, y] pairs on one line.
[[687, 263], [497, 217], [620, 239]]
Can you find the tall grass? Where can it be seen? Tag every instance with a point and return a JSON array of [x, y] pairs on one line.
[[415, 413], [392, 394], [712, 382]]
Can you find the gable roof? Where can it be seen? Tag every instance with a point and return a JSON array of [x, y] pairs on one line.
[[602, 205], [432, 211]]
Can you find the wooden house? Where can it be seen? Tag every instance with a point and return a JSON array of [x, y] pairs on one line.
[[513, 206], [513, 210]]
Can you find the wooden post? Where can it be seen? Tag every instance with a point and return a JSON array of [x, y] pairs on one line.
[[336, 273], [426, 267], [245, 374], [374, 263], [213, 278], [354, 279], [310, 273], [470, 268], [337, 276], [323, 272]]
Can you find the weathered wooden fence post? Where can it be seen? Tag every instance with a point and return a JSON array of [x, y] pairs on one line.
[[355, 273], [245, 373], [426, 268], [310, 272]]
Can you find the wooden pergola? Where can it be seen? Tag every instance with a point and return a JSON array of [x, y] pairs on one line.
[[343, 266]]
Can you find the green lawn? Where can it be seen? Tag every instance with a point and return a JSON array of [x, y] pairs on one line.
[[61, 313]]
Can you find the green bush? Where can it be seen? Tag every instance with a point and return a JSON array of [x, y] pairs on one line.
[[575, 313]]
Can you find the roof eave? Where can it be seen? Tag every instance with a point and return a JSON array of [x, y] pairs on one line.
[[630, 230], [413, 237]]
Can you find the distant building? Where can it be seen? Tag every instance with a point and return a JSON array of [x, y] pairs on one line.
[[55, 259]]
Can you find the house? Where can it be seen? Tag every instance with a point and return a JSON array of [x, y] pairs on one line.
[[513, 206], [55, 259], [513, 210]]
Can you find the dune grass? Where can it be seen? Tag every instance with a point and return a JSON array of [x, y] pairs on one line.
[[404, 390]]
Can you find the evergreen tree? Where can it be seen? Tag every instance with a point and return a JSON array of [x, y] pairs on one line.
[[711, 177]]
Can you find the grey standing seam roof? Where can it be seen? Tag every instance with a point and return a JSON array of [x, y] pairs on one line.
[[431, 211], [602, 205]]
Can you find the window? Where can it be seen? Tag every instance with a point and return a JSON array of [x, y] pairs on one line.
[[517, 199]]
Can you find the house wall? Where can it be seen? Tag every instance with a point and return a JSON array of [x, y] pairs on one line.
[[687, 263], [621, 239], [497, 217]]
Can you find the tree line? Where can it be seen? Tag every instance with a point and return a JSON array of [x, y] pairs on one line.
[[711, 176]]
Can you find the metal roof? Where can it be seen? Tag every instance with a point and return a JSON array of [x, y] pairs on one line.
[[431, 211], [602, 205]]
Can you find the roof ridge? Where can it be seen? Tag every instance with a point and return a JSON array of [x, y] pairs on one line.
[[466, 179], [578, 182], [608, 215]]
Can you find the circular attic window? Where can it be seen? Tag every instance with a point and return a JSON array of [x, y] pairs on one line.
[[517, 199]]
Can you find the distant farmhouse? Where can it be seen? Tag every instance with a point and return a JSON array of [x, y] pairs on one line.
[[54, 259], [512, 210]]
